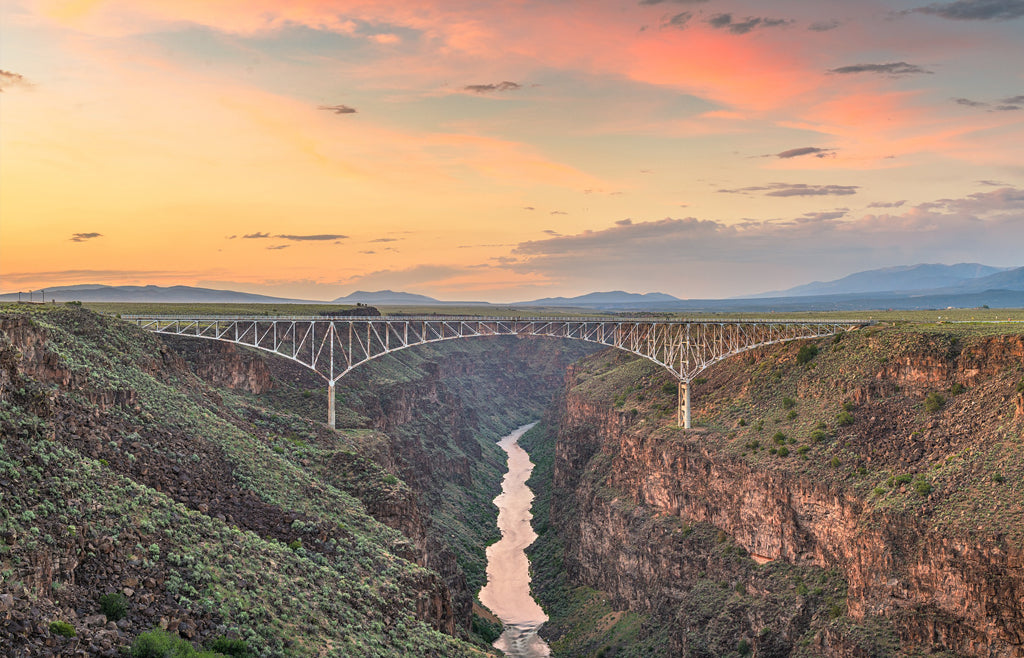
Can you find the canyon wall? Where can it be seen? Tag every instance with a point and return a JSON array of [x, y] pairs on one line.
[[927, 561]]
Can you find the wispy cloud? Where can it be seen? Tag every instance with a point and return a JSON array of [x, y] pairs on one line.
[[796, 189], [505, 85], [975, 10], [680, 20], [10, 79], [887, 204], [726, 22], [82, 237], [824, 26], [319, 237], [890, 68], [385, 240], [278, 246], [338, 109], [648, 3], [806, 150]]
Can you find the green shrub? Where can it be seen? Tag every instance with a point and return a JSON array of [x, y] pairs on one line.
[[792, 414], [934, 402], [998, 478], [817, 436], [923, 487], [158, 643], [295, 544], [669, 387], [753, 445], [902, 479], [486, 629], [788, 403], [759, 425], [956, 389], [390, 479], [700, 380], [62, 628], [849, 406], [779, 438], [806, 353], [743, 648], [783, 451], [235, 647], [114, 606], [835, 611], [743, 422], [844, 418], [803, 450], [1020, 386], [835, 462], [822, 425]]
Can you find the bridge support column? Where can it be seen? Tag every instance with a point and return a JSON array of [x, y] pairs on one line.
[[683, 419], [330, 404]]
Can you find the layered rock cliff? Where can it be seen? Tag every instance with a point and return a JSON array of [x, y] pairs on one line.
[[889, 466]]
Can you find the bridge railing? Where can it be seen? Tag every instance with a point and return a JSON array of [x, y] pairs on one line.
[[333, 346]]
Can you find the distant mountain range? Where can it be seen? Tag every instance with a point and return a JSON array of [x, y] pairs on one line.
[[152, 294], [926, 286], [390, 297], [601, 300], [892, 279]]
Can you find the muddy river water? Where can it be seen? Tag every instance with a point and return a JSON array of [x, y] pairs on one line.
[[507, 592]]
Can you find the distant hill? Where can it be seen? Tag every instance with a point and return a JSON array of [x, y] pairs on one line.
[[154, 294], [616, 299], [386, 297], [891, 279]]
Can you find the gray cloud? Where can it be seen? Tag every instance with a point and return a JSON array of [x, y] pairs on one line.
[[725, 22], [296, 238], [82, 237], [886, 204], [975, 10], [891, 68], [338, 109], [551, 232], [505, 85], [679, 20], [677, 2], [806, 150], [826, 216], [385, 240], [758, 255], [796, 189], [824, 26], [10, 79], [969, 103], [1014, 100], [279, 246], [528, 208], [559, 212]]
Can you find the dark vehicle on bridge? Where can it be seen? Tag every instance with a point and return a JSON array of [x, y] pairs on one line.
[[360, 310]]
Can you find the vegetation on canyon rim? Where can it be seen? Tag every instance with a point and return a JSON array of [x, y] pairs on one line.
[[219, 513], [133, 488]]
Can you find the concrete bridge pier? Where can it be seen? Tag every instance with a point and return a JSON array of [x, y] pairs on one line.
[[330, 404], [683, 419]]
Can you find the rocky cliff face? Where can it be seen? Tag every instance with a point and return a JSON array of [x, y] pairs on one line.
[[120, 472], [920, 552], [436, 413]]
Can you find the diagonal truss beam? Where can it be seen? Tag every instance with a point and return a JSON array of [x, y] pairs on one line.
[[332, 347]]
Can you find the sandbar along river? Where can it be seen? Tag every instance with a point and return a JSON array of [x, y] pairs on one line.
[[507, 592]]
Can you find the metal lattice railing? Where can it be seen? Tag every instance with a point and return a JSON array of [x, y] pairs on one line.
[[332, 347]]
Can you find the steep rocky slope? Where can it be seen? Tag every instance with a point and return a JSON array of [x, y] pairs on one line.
[[866, 499], [222, 512]]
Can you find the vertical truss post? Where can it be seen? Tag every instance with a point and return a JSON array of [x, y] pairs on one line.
[[683, 418], [330, 404]]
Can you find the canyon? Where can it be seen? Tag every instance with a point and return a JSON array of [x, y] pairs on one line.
[[864, 502]]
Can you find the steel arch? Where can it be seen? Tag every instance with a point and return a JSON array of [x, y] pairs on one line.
[[332, 347]]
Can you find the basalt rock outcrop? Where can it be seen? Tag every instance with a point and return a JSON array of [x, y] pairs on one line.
[[893, 460]]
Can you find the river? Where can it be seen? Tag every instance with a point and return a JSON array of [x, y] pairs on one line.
[[507, 593]]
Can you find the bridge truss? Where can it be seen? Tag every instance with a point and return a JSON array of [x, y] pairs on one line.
[[333, 346]]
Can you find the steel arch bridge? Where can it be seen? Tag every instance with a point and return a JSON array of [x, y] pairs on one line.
[[333, 346]]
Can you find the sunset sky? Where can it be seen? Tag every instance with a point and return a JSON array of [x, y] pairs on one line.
[[506, 150]]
